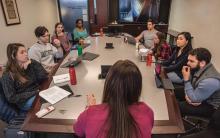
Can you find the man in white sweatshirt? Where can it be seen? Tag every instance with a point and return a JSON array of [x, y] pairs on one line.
[[43, 51]]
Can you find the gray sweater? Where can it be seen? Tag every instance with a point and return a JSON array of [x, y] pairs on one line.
[[44, 54]]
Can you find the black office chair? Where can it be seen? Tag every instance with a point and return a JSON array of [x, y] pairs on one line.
[[74, 41], [196, 123], [212, 130]]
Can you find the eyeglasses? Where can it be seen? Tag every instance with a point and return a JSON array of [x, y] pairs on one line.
[[47, 35]]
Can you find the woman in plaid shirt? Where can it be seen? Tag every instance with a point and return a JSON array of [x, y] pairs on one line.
[[161, 50]]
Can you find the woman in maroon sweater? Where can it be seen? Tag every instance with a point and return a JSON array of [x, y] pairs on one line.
[[60, 35], [120, 115]]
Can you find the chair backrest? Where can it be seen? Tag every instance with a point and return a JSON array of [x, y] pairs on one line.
[[7, 111]]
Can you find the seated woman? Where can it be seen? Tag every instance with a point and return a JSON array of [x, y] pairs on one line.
[[173, 66], [79, 32], [120, 115], [21, 79], [62, 37], [161, 50]]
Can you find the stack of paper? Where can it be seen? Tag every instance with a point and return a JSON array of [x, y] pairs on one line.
[[54, 94], [61, 78]]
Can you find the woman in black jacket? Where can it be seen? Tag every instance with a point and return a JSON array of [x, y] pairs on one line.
[[21, 79], [178, 59]]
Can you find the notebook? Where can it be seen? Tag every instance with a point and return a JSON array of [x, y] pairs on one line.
[[54, 94], [74, 63], [61, 78], [131, 40], [104, 71], [89, 56]]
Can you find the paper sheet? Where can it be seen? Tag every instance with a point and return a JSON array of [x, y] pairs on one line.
[[61, 78], [85, 17], [54, 94]]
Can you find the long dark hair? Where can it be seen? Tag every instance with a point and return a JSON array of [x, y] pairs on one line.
[[122, 88], [77, 21], [12, 65], [55, 30], [188, 37], [161, 37]]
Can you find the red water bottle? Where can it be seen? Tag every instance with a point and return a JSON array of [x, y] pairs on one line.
[[72, 75], [148, 59]]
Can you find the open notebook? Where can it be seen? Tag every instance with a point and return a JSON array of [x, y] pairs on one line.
[[54, 94]]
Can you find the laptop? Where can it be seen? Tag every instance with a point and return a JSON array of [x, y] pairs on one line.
[[89, 56], [131, 40], [104, 71], [74, 63]]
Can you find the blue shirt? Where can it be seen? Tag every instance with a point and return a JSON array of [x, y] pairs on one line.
[[203, 91]]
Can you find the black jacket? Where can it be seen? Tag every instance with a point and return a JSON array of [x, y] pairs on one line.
[[16, 92], [174, 63]]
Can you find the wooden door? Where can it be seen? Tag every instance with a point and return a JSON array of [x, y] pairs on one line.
[[98, 15]]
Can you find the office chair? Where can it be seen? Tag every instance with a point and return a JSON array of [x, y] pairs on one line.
[[74, 41], [198, 123], [8, 111]]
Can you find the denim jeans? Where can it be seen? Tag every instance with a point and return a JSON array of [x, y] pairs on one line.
[[28, 104]]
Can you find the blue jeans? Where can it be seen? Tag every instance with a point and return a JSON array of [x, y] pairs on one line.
[[28, 104]]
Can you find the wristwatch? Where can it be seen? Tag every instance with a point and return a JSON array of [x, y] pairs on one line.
[[186, 81]]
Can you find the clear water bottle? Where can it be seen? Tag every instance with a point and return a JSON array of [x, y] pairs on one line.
[[72, 75]]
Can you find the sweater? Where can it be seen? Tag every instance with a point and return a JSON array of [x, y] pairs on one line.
[[78, 35], [90, 123], [63, 40], [44, 53], [17, 92]]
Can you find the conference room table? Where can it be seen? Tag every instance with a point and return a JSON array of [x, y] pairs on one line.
[[167, 118]]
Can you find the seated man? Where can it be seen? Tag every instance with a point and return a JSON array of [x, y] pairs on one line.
[[148, 35], [202, 91], [43, 51]]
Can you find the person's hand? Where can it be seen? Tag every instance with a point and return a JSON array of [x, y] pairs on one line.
[[25, 65], [190, 102], [91, 100], [81, 41], [150, 52], [195, 104], [186, 73], [57, 42], [187, 99], [137, 40]]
